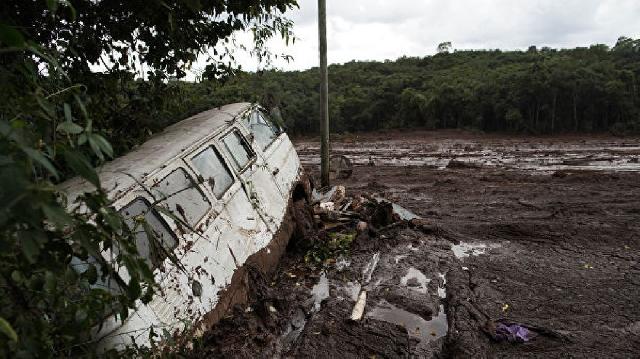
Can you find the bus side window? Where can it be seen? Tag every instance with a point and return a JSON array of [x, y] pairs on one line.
[[262, 130], [238, 148], [213, 170], [183, 197], [136, 214], [107, 283]]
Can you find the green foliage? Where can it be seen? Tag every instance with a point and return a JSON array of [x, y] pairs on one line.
[[166, 36], [591, 89], [58, 120], [336, 245], [49, 305]]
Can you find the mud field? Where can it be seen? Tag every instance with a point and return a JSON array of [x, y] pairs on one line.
[[541, 234]]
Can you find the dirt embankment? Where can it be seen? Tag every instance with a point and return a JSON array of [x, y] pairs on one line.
[[543, 233]]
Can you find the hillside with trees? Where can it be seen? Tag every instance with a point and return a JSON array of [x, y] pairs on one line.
[[539, 91]]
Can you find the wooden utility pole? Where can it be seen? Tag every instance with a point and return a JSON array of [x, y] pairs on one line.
[[324, 94]]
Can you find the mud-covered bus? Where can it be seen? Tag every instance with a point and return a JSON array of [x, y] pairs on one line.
[[230, 174]]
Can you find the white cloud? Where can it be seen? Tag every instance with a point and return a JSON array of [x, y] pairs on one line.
[[379, 30]]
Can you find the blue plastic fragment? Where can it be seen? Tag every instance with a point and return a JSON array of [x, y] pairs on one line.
[[513, 333]]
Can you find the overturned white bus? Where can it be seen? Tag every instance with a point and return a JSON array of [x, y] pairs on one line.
[[231, 175]]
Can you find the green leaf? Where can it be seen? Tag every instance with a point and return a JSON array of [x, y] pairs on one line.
[[41, 159], [104, 145], [18, 123], [133, 289], [82, 139], [81, 105], [48, 109], [11, 37], [81, 316], [67, 112], [17, 277], [57, 216], [7, 329], [124, 312], [81, 166], [50, 282], [94, 147], [91, 274], [29, 245], [69, 127], [52, 5], [70, 275], [113, 220], [72, 10]]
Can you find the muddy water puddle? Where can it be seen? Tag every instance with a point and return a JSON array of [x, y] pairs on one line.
[[375, 269], [467, 249], [403, 213], [418, 327], [320, 291], [415, 280]]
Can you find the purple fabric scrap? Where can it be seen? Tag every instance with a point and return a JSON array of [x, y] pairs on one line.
[[513, 333]]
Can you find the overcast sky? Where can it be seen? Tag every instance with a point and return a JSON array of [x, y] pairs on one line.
[[388, 29]]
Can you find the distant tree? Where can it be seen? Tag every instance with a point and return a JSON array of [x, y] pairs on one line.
[[444, 47]]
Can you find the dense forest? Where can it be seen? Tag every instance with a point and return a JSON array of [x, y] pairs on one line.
[[538, 91]]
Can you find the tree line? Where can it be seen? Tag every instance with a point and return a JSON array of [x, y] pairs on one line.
[[538, 91]]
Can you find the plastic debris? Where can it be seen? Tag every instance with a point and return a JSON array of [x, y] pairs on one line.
[[512, 332], [327, 206], [358, 309], [339, 195]]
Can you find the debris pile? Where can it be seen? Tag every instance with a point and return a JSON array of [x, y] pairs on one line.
[[333, 208]]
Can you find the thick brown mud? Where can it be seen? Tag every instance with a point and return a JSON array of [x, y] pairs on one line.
[[553, 247]]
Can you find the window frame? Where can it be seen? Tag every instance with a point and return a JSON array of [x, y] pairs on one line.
[[246, 145], [222, 160], [160, 201], [154, 264], [277, 132]]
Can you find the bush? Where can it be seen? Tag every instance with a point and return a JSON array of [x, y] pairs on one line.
[[50, 257]]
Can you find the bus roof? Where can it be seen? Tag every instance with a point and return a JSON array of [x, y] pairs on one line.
[[123, 172]]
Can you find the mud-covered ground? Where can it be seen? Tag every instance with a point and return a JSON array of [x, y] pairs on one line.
[[540, 232]]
